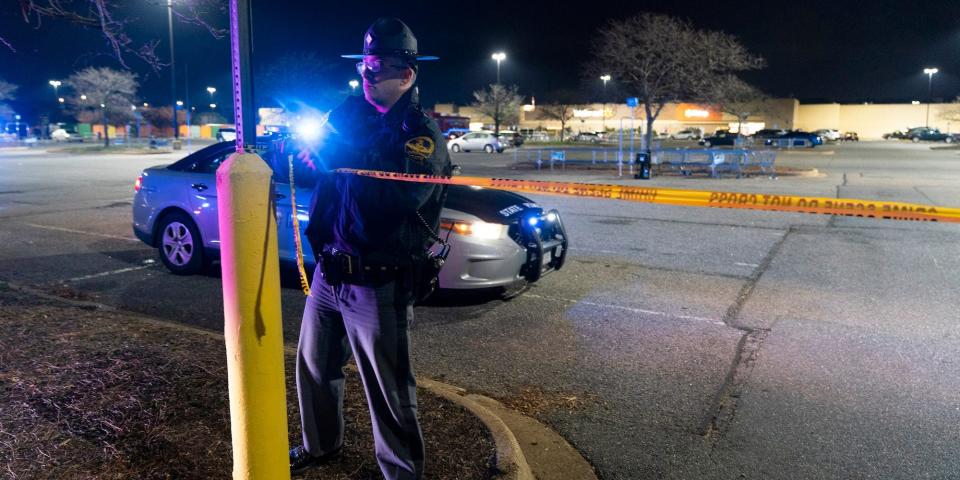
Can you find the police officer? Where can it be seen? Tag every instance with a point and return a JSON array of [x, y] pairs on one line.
[[371, 234]]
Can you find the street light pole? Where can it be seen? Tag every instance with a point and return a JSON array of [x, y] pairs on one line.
[[499, 57], [930, 72], [603, 114], [56, 94], [173, 70]]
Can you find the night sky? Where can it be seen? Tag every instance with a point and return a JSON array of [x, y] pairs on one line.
[[816, 51]]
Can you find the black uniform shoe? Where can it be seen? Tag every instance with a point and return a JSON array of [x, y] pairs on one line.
[[301, 461]]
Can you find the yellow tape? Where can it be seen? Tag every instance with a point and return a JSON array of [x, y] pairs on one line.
[[695, 198], [304, 281]]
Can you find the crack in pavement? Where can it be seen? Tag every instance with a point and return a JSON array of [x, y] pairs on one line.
[[725, 404]]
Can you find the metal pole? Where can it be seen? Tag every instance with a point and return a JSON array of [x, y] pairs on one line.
[[929, 96], [173, 70], [186, 99], [251, 285], [242, 48]]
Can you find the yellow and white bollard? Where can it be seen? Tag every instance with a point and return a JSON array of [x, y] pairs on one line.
[[252, 318]]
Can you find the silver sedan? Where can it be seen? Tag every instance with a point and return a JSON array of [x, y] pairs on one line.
[[497, 238]]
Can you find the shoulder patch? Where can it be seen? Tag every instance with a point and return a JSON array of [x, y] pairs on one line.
[[419, 148]]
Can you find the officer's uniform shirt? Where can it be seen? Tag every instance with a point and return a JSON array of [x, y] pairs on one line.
[[374, 218]]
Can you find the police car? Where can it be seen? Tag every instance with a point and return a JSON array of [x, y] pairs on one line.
[[497, 238]]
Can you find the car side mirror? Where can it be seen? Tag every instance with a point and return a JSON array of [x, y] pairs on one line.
[[457, 170]]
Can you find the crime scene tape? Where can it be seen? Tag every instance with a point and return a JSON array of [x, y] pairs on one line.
[[693, 198]]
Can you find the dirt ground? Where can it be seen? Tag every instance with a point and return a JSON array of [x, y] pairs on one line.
[[87, 393]]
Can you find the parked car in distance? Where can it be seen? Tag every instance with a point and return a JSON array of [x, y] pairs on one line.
[[226, 134], [928, 134], [688, 134], [537, 137], [850, 137], [720, 137], [828, 134], [62, 135], [895, 135], [795, 138], [476, 141], [768, 133], [587, 137], [510, 138]]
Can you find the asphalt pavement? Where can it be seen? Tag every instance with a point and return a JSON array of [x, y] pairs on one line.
[[676, 343]]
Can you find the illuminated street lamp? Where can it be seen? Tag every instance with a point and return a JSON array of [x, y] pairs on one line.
[[213, 106], [83, 97], [61, 100], [603, 114], [211, 91], [145, 104], [930, 72], [499, 57], [179, 103], [55, 84], [353, 86]]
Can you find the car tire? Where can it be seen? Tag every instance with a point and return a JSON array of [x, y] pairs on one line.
[[948, 139], [455, 148], [180, 245], [706, 143], [488, 148], [915, 139]]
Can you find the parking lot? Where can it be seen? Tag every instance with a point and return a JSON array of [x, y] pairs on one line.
[[675, 343]]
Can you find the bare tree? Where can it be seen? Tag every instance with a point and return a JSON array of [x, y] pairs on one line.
[[740, 99], [662, 59], [560, 107], [109, 91], [7, 91], [105, 17], [162, 117], [500, 103]]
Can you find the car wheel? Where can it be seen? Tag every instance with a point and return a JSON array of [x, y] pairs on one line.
[[915, 139], [455, 148], [706, 143], [488, 148], [180, 244], [948, 139]]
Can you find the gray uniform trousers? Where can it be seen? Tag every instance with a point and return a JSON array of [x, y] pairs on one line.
[[372, 323]]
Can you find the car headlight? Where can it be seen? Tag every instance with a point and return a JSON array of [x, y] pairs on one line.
[[481, 230]]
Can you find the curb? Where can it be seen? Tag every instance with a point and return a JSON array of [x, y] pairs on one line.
[[516, 436], [510, 462]]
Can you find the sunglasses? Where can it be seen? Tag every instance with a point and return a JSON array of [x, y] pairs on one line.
[[374, 66]]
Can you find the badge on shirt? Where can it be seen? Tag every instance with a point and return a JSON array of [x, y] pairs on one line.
[[419, 148]]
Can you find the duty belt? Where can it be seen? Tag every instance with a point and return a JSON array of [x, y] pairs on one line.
[[341, 267]]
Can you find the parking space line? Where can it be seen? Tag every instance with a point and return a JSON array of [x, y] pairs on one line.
[[82, 232], [712, 321], [108, 273]]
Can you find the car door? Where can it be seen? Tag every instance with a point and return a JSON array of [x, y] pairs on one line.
[[201, 185], [476, 142], [467, 139]]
